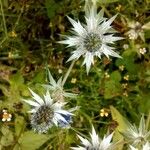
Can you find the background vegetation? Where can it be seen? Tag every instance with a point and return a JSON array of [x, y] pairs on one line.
[[29, 31]]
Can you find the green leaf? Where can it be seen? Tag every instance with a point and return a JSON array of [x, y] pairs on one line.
[[7, 138], [129, 62], [115, 76], [112, 89], [32, 141], [19, 125], [107, 1], [17, 147], [122, 122], [122, 125], [51, 7]]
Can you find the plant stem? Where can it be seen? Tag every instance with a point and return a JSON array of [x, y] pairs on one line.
[[68, 72], [148, 121], [18, 19], [3, 17], [79, 133]]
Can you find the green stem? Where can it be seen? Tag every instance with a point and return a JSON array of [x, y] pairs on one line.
[[79, 133], [18, 19], [148, 121], [3, 40], [68, 72], [3, 17]]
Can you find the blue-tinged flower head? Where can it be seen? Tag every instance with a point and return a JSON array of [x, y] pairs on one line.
[[45, 112], [68, 118], [94, 38], [67, 123]]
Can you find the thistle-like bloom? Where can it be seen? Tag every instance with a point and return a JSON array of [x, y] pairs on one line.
[[144, 147], [56, 89], [135, 30], [137, 135], [95, 143], [46, 113], [92, 39]]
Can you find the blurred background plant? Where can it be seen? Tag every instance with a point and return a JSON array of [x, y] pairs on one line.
[[29, 31]]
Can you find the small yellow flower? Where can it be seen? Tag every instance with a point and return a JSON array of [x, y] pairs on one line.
[[13, 34], [106, 75], [126, 77], [60, 71], [104, 112], [121, 67], [125, 94], [10, 55], [73, 80], [6, 116], [118, 8], [124, 85]]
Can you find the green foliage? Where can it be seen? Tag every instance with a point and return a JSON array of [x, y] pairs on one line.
[[31, 140], [29, 31]]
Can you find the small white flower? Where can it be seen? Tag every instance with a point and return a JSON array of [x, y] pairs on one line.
[[137, 135], [6, 116], [95, 143], [45, 113], [125, 46], [56, 89], [142, 51], [136, 30], [144, 147], [93, 39]]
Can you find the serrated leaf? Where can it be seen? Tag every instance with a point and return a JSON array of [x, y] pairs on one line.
[[31, 140], [7, 138], [51, 7], [5, 130], [112, 89], [129, 62]]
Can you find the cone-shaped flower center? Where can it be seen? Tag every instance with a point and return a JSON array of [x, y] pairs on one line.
[[92, 42], [44, 114], [42, 119]]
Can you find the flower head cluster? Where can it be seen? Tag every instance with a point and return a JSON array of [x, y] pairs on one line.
[[45, 113], [56, 89], [135, 31], [95, 143], [6, 116], [144, 147], [93, 38], [138, 135]]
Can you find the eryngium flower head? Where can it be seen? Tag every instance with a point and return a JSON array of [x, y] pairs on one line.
[[137, 135], [93, 39], [56, 89], [95, 143], [45, 113], [144, 147]]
